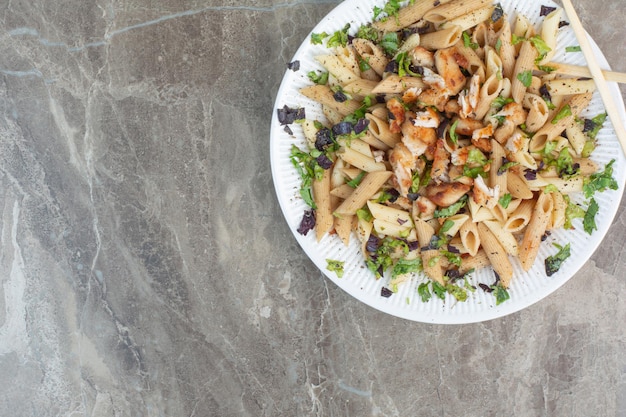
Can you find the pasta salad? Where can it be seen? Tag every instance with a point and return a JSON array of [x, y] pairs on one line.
[[450, 142]]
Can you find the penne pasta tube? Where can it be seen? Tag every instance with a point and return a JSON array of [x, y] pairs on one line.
[[394, 84], [520, 218], [385, 228], [338, 69], [540, 218], [566, 185], [360, 88], [538, 112], [390, 214], [558, 214], [468, 232], [453, 9], [518, 187], [471, 19], [364, 231], [498, 179], [372, 54], [507, 51], [343, 228], [473, 262], [458, 221], [368, 187], [549, 29], [565, 115], [342, 192], [325, 96], [406, 16], [441, 39], [497, 255], [523, 66], [323, 213], [569, 86], [575, 136], [506, 238], [380, 130], [357, 159]]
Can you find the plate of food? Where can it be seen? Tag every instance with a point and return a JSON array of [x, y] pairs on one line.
[[445, 161]]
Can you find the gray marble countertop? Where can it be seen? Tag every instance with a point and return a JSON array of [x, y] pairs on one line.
[[147, 269]]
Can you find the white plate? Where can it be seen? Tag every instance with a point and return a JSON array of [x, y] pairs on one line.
[[527, 287]]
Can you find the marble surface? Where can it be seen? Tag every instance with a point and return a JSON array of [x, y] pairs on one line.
[[146, 267]]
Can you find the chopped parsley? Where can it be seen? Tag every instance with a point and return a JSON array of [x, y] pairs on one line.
[[600, 181], [318, 38], [589, 220], [573, 48], [382, 259], [405, 65], [390, 43], [500, 293], [452, 209], [526, 77], [573, 211], [500, 102], [467, 41], [506, 164], [335, 266], [453, 136], [367, 32], [406, 266], [423, 291], [307, 166], [564, 112], [498, 45], [390, 9], [356, 180], [541, 47], [320, 78], [339, 38], [439, 290], [553, 263], [593, 126], [505, 200], [517, 39]]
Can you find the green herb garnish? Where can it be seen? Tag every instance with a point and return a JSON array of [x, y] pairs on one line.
[[339, 38], [320, 78], [589, 220], [500, 293], [564, 112], [505, 200], [467, 41], [452, 209], [406, 266], [553, 263], [600, 181], [424, 291], [526, 77], [318, 38], [335, 266]]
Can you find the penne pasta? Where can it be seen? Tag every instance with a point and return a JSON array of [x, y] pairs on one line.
[[539, 221], [453, 9], [323, 213], [496, 253], [441, 39], [368, 187]]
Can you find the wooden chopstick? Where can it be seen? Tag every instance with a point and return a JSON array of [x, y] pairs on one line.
[[596, 73], [580, 71]]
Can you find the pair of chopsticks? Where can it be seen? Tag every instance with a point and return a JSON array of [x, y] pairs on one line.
[[599, 76]]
